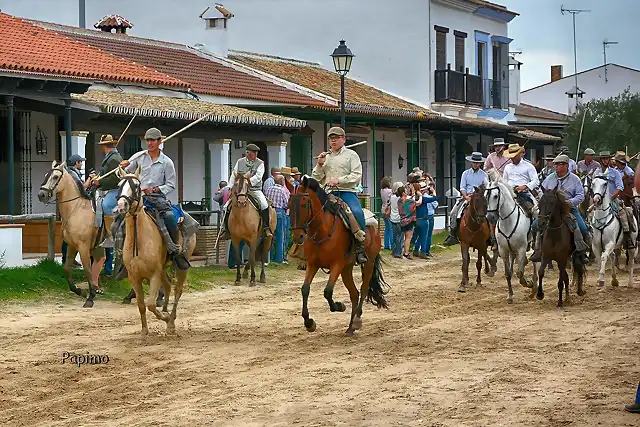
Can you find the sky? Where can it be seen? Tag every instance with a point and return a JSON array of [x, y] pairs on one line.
[[541, 32]]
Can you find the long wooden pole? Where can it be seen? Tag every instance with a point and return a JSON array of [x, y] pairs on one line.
[[351, 146]]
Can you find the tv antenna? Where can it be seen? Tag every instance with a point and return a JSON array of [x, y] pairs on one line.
[[574, 12], [606, 43]]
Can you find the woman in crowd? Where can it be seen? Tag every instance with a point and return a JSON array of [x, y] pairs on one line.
[[424, 220], [407, 210], [394, 218], [385, 195]]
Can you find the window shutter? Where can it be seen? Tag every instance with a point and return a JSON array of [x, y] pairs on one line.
[[460, 54]]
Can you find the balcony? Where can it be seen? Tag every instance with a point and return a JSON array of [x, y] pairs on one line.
[[463, 88]]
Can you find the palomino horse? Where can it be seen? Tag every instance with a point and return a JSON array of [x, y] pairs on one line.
[[245, 224], [512, 230], [474, 233], [557, 243], [145, 255], [607, 231], [77, 224], [328, 244]]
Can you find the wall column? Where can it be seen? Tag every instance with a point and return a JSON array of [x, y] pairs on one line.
[[219, 155], [78, 143], [10, 151], [277, 154]]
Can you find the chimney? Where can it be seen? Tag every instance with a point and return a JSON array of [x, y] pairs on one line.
[[216, 24], [111, 22], [514, 80], [556, 73]]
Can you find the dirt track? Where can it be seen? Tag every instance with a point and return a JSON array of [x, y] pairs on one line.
[[243, 357]]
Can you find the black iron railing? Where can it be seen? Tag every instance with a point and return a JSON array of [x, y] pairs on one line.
[[454, 86]]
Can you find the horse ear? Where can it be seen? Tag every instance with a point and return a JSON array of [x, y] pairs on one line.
[[305, 180], [54, 164]]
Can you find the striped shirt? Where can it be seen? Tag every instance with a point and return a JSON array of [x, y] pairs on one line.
[[278, 195]]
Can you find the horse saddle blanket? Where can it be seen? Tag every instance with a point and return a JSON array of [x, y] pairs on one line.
[[342, 210], [463, 207], [186, 225]]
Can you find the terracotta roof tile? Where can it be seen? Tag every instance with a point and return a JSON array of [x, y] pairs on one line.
[[542, 113], [129, 104], [537, 136], [205, 75], [27, 48], [357, 95]]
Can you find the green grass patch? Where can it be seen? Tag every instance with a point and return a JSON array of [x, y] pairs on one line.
[[45, 278]]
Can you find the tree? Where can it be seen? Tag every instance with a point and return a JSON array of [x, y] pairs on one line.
[[611, 124]]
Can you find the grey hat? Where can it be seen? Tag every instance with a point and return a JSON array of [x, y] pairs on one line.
[[604, 154], [152, 133], [589, 152], [550, 157], [562, 158], [252, 147], [75, 158], [499, 141], [563, 149], [475, 157], [336, 130]]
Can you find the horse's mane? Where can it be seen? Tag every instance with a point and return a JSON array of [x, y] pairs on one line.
[[494, 175], [314, 186], [561, 199], [79, 184]]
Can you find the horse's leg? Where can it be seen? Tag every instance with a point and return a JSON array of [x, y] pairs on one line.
[[136, 283], [614, 275], [154, 286], [166, 283], [252, 262], [86, 266], [347, 279], [367, 274], [562, 274], [309, 323], [481, 254], [522, 262], [236, 252], [266, 247], [334, 273], [181, 277], [68, 268], [507, 256], [464, 251], [539, 293]]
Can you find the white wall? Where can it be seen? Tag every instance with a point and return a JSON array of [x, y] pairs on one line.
[[41, 164], [553, 97], [193, 169]]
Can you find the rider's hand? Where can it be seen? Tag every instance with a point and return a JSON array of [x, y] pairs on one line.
[[332, 182], [322, 158], [468, 198], [147, 190], [521, 188], [124, 163]]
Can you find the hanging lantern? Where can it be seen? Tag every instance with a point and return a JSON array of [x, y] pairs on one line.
[[41, 142]]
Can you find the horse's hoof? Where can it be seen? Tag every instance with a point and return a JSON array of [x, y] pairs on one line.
[[245, 275], [614, 283], [88, 304], [262, 280], [559, 306], [77, 291], [340, 307], [462, 289], [252, 283], [582, 293], [171, 329], [126, 301], [160, 303], [349, 332], [490, 273], [527, 284], [357, 323], [310, 325], [540, 296], [237, 283], [510, 300]]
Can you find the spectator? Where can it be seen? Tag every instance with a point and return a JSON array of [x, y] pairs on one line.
[[279, 196], [385, 195], [424, 221], [297, 176], [271, 180], [407, 211], [394, 217]]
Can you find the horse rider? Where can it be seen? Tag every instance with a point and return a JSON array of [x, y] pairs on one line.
[[471, 178], [255, 167], [522, 177], [615, 189], [548, 169], [157, 183], [573, 166], [572, 187], [588, 166], [340, 170], [497, 160]]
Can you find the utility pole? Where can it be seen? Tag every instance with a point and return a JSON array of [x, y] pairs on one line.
[[604, 51], [574, 12]]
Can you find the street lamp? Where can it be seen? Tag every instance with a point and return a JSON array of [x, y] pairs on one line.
[[342, 58]]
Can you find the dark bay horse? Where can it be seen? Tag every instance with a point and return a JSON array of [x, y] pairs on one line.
[[475, 233], [557, 243], [328, 244]]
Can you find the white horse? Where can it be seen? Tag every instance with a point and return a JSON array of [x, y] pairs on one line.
[[607, 231], [512, 230]]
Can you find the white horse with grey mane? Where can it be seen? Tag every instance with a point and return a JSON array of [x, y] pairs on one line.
[[607, 231], [512, 231]]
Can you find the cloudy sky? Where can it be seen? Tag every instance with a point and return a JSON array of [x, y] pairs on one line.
[[541, 32]]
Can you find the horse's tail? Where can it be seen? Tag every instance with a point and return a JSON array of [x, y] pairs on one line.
[[378, 288]]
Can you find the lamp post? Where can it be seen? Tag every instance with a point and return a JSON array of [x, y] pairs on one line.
[[342, 58]]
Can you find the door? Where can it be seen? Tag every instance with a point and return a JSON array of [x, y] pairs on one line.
[[381, 153], [301, 153]]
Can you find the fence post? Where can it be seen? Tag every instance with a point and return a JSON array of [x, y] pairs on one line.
[[51, 243]]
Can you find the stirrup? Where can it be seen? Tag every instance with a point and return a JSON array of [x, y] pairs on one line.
[[107, 243]]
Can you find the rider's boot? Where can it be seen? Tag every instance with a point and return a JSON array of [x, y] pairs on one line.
[[452, 239], [628, 241], [266, 230], [225, 224], [537, 252], [581, 246], [360, 238], [179, 258], [108, 240]]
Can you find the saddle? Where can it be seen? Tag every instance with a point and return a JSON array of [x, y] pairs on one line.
[[340, 209]]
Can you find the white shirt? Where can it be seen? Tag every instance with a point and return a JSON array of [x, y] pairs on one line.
[[395, 214], [524, 173], [254, 180]]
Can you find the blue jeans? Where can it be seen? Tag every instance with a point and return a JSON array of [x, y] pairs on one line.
[[231, 262], [421, 236], [287, 234], [398, 237], [108, 264], [109, 202], [388, 233], [429, 234], [352, 200], [278, 249]]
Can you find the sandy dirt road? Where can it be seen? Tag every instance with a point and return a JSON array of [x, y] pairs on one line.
[[243, 357]]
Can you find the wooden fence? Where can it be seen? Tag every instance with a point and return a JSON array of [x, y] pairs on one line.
[[49, 217]]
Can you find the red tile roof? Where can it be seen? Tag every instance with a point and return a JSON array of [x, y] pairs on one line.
[[542, 113], [205, 74], [27, 48]]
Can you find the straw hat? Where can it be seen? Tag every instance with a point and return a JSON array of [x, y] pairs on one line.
[[286, 171], [513, 150], [295, 171], [107, 139]]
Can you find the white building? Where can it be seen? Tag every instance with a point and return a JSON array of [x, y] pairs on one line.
[[597, 83]]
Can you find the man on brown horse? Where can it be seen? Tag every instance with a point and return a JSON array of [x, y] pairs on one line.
[[255, 167], [340, 170]]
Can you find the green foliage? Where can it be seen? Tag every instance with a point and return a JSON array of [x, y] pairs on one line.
[[610, 124]]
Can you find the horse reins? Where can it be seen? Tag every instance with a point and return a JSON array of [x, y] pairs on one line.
[[134, 184]]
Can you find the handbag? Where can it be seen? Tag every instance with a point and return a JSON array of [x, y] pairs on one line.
[[386, 210]]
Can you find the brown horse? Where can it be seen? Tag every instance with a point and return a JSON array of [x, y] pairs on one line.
[[328, 244], [145, 255], [475, 233], [557, 243], [245, 224], [77, 224]]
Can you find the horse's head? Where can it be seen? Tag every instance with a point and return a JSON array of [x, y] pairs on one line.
[[553, 203], [301, 209], [478, 204], [240, 188], [51, 184], [599, 188], [129, 191], [587, 180]]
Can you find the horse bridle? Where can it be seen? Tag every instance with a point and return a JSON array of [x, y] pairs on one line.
[[605, 188], [135, 185], [241, 193], [296, 207], [497, 209], [51, 190]]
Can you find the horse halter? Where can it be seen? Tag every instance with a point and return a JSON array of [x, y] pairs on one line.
[[50, 191], [297, 206], [240, 193], [605, 187], [135, 186]]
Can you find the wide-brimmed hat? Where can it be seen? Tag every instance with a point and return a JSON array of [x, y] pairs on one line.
[[621, 157], [252, 147], [498, 141], [475, 157], [550, 157], [152, 133], [604, 154], [107, 139], [513, 150], [563, 149], [561, 158], [589, 152], [286, 171], [295, 171]]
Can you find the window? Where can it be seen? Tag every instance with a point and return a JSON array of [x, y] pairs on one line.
[[441, 47], [481, 59], [460, 39]]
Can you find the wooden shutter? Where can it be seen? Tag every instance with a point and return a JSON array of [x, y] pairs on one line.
[[459, 54], [441, 50]]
